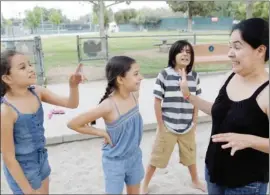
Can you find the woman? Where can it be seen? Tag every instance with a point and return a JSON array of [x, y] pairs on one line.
[[237, 158]]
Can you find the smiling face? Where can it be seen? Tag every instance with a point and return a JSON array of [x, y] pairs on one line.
[[244, 58], [132, 79], [21, 72]]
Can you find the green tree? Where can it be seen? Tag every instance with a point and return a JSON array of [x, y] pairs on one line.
[[33, 18], [223, 9], [239, 10], [124, 16], [261, 10], [140, 20], [56, 18], [192, 8], [108, 14]]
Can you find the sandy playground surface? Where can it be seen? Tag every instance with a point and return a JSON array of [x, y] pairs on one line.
[[77, 168]]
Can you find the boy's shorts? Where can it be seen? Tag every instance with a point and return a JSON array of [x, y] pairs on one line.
[[164, 146]]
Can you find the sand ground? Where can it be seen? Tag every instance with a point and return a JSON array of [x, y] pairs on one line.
[[77, 169]]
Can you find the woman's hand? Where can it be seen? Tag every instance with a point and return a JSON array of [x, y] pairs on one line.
[[183, 83], [235, 141]]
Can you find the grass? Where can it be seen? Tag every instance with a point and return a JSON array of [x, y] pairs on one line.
[[61, 51]]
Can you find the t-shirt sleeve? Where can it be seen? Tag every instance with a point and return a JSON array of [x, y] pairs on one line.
[[198, 85], [159, 88]]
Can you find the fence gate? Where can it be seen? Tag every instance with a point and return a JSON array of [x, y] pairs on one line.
[[33, 49], [92, 48]]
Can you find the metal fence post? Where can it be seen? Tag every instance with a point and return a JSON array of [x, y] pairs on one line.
[[194, 38], [107, 47], [39, 61], [78, 48]]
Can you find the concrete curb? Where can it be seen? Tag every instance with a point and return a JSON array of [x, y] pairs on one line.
[[79, 137]]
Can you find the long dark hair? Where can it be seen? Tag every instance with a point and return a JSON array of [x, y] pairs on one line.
[[116, 66], [255, 32], [175, 49], [5, 68]]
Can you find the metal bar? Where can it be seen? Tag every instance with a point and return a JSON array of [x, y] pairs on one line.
[[184, 35], [90, 59], [107, 48], [78, 48], [19, 40], [90, 37]]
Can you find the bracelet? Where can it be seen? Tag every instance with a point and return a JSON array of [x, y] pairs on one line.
[[188, 96]]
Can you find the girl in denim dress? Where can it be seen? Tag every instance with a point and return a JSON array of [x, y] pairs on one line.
[[122, 155], [25, 157]]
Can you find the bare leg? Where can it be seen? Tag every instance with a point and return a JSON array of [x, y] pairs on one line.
[[44, 189], [149, 174], [195, 180], [134, 189]]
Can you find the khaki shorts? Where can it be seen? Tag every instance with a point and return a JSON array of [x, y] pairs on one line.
[[164, 146]]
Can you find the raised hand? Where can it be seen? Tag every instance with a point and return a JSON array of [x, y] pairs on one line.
[[183, 83], [77, 77]]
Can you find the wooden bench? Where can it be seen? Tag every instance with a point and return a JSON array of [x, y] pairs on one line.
[[164, 46]]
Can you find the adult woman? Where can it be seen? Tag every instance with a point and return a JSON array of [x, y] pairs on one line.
[[237, 158]]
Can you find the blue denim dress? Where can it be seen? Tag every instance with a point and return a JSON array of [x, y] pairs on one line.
[[30, 151], [122, 163]]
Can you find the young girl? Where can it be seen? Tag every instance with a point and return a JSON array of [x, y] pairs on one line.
[[122, 156], [176, 117], [25, 157]]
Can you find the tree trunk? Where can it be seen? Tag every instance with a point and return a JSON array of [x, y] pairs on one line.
[[189, 18], [58, 29], [101, 28], [249, 9]]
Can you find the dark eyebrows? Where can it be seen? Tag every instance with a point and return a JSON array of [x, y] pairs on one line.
[[235, 42]]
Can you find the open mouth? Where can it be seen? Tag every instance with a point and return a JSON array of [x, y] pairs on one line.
[[33, 76], [185, 59], [235, 63]]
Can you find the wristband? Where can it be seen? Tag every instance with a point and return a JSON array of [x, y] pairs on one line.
[[187, 97]]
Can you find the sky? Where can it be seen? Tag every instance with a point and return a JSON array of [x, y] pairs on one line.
[[72, 9]]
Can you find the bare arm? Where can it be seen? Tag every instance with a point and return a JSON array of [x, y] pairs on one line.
[[259, 143], [195, 115], [80, 122], [158, 112], [201, 104], [69, 102], [51, 98], [8, 119], [198, 102]]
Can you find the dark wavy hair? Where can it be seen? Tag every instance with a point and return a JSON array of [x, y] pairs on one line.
[[175, 49], [5, 68], [116, 66]]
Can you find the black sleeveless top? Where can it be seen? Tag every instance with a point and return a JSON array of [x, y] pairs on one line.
[[246, 117]]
